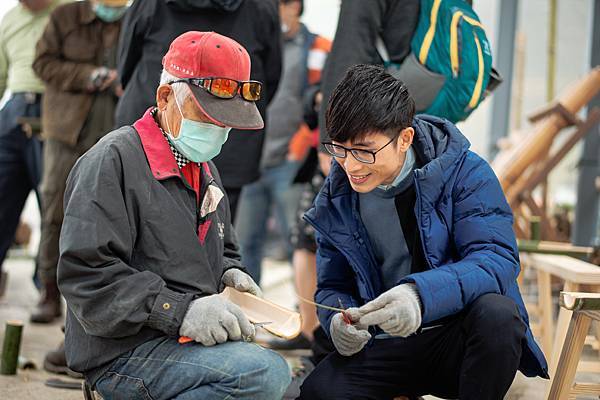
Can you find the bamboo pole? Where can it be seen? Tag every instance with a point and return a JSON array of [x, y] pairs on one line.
[[528, 182], [534, 223], [511, 167], [10, 348]]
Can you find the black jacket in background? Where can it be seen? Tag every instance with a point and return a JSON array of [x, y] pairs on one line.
[[359, 24], [149, 28]]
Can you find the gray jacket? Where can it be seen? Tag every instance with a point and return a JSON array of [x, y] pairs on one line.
[[135, 247]]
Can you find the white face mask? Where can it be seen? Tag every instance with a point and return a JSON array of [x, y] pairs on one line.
[[198, 141]]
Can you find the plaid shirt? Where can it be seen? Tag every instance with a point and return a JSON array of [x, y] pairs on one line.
[[180, 158]]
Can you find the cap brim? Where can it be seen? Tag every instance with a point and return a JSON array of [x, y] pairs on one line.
[[236, 113]]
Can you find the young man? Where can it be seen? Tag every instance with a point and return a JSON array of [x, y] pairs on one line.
[[147, 243], [415, 236]]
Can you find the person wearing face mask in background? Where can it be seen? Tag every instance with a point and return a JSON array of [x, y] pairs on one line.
[[76, 59], [147, 242]]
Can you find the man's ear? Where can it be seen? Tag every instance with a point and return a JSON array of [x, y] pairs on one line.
[[406, 138], [163, 94]]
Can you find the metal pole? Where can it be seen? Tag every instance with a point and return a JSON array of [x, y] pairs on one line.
[[586, 232], [505, 45], [551, 52]]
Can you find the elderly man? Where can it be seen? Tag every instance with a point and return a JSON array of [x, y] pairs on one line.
[[147, 243]]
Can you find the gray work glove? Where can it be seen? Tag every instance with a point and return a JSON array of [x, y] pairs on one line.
[[240, 281], [213, 319], [397, 311], [348, 339]]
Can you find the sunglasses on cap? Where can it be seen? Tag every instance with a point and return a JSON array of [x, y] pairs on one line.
[[226, 88]]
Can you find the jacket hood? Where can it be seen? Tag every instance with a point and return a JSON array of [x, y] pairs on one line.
[[218, 5]]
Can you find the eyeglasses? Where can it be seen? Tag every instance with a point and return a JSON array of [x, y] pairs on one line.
[[226, 88], [363, 156]]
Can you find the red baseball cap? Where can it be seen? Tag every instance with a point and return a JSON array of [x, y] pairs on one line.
[[210, 55]]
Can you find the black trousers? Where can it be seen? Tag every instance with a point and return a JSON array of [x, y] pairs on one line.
[[473, 356]]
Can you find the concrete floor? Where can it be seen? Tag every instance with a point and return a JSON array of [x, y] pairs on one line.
[[21, 296]]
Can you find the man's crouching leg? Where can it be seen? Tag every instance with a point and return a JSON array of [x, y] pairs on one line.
[[494, 335], [164, 369], [474, 357]]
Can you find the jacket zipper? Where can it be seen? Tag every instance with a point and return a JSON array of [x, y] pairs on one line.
[[358, 235], [419, 213]]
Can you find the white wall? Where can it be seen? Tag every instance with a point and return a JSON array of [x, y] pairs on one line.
[[6, 5], [572, 62], [321, 16]]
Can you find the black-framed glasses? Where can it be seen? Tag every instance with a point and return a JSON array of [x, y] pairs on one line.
[[363, 156], [226, 88]]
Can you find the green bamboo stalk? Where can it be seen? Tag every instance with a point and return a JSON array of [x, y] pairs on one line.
[[534, 224], [10, 348]]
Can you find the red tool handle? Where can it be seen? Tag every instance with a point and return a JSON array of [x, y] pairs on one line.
[[346, 318]]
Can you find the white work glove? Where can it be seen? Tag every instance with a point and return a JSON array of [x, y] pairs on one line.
[[397, 311], [348, 339], [241, 281], [213, 319]]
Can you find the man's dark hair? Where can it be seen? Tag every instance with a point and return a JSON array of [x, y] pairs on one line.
[[368, 100], [291, 1]]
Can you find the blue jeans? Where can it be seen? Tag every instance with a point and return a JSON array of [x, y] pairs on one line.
[[20, 164], [274, 190], [164, 369]]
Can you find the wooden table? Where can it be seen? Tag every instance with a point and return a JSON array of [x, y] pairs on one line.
[[584, 307], [577, 275]]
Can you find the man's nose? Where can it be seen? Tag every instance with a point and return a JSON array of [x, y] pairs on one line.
[[350, 163]]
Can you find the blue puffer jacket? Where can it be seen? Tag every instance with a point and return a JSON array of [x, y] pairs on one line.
[[466, 230]]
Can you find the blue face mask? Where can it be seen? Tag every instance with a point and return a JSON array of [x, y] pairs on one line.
[[109, 14], [198, 141]]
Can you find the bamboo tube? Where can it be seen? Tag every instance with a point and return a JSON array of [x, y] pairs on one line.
[[534, 223], [10, 348], [510, 168]]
